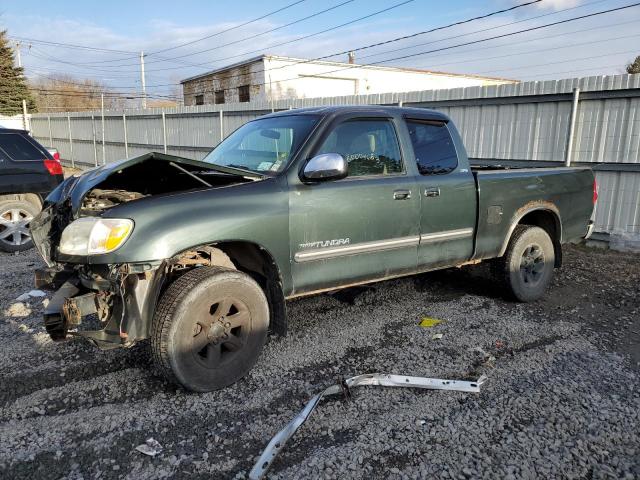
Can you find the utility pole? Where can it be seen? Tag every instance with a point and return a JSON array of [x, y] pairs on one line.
[[25, 122], [144, 88], [104, 156], [18, 56]]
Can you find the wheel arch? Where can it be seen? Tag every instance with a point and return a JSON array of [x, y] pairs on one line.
[[544, 215], [254, 260], [34, 199]]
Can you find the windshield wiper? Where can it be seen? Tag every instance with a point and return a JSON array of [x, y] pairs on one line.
[[244, 169]]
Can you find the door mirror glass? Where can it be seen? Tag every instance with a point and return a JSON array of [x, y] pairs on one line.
[[326, 166]]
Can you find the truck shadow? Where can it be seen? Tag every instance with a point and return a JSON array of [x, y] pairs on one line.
[[453, 283], [442, 285]]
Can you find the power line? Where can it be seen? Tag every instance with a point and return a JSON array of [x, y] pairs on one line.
[[351, 22], [530, 29], [546, 37], [455, 46], [591, 57], [69, 45], [481, 30], [534, 51], [360, 48], [378, 63], [202, 38], [295, 40], [573, 71], [228, 29], [385, 42], [334, 7], [430, 51]]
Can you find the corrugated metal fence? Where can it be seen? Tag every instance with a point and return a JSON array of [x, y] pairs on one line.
[[507, 124]]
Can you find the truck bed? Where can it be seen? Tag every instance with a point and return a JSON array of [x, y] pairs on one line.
[[505, 192]]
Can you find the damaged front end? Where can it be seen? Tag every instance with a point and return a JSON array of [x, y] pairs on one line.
[[113, 295], [121, 298]]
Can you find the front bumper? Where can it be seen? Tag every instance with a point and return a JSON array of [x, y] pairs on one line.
[[123, 300]]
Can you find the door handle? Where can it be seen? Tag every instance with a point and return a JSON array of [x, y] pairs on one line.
[[432, 192], [402, 194]]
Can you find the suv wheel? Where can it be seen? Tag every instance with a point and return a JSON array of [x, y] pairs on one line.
[[209, 328], [526, 269], [15, 216]]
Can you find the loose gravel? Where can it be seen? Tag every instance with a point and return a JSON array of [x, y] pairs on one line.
[[562, 399]]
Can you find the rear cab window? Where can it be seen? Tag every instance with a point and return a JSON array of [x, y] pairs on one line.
[[14, 146], [433, 147], [370, 147]]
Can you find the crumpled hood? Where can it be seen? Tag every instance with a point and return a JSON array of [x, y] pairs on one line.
[[152, 174], [74, 189]]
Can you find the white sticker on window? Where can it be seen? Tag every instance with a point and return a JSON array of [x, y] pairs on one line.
[[276, 166], [263, 166]]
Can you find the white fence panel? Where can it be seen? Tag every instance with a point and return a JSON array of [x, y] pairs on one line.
[[528, 121]]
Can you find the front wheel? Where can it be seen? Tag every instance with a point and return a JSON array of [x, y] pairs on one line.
[[209, 328], [526, 269]]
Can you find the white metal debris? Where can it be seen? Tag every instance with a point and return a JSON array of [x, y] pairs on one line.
[[151, 447], [278, 442], [30, 294]]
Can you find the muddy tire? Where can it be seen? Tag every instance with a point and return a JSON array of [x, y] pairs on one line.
[[209, 328], [15, 216], [526, 269]]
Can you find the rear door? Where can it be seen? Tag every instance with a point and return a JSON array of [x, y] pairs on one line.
[[447, 195], [363, 227]]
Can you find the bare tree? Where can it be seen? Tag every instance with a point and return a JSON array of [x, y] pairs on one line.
[[64, 93]]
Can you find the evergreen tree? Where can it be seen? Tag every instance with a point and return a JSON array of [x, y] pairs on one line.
[[13, 85], [634, 67]]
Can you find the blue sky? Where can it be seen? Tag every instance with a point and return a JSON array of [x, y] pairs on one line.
[[601, 45]]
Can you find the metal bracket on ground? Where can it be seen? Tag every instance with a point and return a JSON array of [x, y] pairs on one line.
[[278, 442]]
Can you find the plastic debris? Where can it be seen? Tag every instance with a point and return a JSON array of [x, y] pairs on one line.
[[278, 442], [31, 294], [428, 322], [151, 447], [437, 336]]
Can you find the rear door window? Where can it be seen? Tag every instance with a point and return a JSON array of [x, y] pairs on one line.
[[433, 147], [18, 147]]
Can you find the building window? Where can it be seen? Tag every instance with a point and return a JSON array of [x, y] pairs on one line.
[[199, 99], [219, 96], [243, 93]]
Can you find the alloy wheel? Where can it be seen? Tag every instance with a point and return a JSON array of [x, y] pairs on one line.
[[14, 226]]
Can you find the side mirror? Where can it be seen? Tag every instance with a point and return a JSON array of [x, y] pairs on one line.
[[327, 166]]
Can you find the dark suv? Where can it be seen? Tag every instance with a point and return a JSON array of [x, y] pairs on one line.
[[28, 172]]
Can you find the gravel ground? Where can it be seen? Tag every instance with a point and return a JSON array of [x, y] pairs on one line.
[[562, 399]]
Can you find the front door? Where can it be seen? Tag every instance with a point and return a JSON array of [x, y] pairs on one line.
[[365, 226], [447, 193]]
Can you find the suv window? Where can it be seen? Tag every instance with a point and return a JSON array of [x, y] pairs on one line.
[[433, 147], [370, 147], [18, 147]]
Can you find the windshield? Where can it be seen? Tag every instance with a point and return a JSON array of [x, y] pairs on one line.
[[264, 146]]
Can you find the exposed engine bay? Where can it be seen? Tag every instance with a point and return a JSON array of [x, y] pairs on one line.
[[98, 200], [121, 296]]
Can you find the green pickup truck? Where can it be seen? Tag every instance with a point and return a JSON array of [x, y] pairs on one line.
[[200, 256]]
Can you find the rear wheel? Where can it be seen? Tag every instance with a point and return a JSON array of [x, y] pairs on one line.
[[15, 217], [209, 328], [526, 269]]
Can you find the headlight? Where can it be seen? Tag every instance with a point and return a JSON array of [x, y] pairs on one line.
[[91, 236]]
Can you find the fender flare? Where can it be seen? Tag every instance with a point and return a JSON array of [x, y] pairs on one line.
[[527, 209]]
